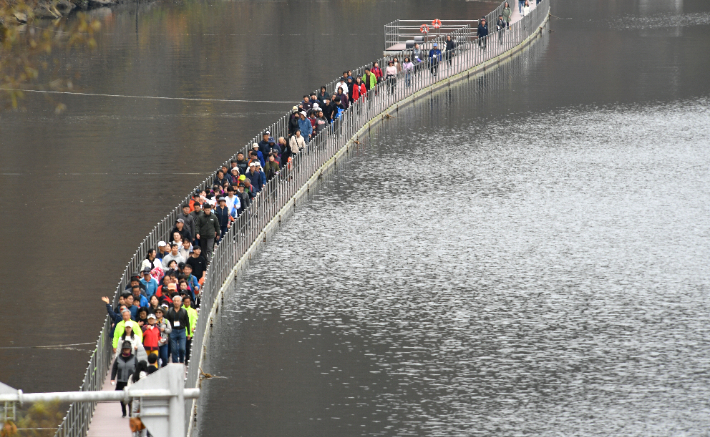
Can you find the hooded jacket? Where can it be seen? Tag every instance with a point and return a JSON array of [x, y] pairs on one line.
[[123, 367], [306, 129]]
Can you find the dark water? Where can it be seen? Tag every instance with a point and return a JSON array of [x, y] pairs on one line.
[[525, 254], [82, 189]]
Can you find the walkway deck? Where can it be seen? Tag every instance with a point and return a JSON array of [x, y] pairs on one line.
[[107, 421]]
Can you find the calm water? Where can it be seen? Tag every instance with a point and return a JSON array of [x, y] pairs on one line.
[[81, 190], [524, 254]]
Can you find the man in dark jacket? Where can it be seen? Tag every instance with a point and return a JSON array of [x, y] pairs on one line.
[[208, 230], [293, 122], [256, 177], [482, 32], [264, 146], [198, 264], [122, 369], [450, 46], [244, 200], [222, 213], [188, 219], [242, 163], [180, 322], [181, 229], [220, 179], [500, 26]]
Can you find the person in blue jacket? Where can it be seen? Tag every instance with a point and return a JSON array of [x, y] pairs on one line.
[[256, 177], [255, 149], [434, 59], [306, 128], [482, 32]]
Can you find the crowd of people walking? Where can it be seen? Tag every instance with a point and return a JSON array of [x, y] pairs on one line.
[[156, 315]]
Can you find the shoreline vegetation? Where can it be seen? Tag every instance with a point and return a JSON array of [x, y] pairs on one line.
[[25, 49], [19, 13]]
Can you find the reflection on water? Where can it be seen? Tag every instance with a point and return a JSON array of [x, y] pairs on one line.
[[470, 272]]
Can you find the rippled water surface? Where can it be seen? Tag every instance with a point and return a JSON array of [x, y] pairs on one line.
[[522, 254], [525, 253], [448, 283]]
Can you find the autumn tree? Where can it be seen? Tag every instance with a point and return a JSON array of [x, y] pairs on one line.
[[30, 30]]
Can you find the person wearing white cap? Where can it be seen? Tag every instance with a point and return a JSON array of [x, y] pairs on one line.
[[163, 250], [305, 125]]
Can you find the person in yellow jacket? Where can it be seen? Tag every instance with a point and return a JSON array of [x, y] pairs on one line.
[[192, 317], [120, 328]]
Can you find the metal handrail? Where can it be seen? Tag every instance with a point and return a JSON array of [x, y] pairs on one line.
[[248, 227]]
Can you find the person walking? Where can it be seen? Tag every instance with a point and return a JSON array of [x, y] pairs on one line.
[[391, 76], [123, 367], [272, 167], [192, 317], [297, 142], [482, 32], [450, 47], [526, 8], [507, 14], [369, 79], [121, 326], [359, 89], [224, 215], [500, 26], [521, 3], [408, 68], [180, 324], [434, 59], [207, 227], [165, 328], [304, 124]]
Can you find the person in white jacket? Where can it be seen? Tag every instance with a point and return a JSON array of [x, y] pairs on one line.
[[297, 143]]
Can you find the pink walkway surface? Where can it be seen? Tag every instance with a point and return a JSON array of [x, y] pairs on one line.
[[107, 421]]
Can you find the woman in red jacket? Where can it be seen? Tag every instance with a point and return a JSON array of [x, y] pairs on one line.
[[377, 71], [151, 336], [359, 89]]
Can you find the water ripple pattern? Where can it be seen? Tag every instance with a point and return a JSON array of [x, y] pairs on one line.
[[536, 276]]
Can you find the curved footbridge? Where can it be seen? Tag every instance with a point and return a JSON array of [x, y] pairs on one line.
[[251, 228]]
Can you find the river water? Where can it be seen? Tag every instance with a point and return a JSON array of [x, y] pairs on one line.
[[523, 254]]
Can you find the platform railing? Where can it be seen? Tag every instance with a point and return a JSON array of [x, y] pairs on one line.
[[281, 188]]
